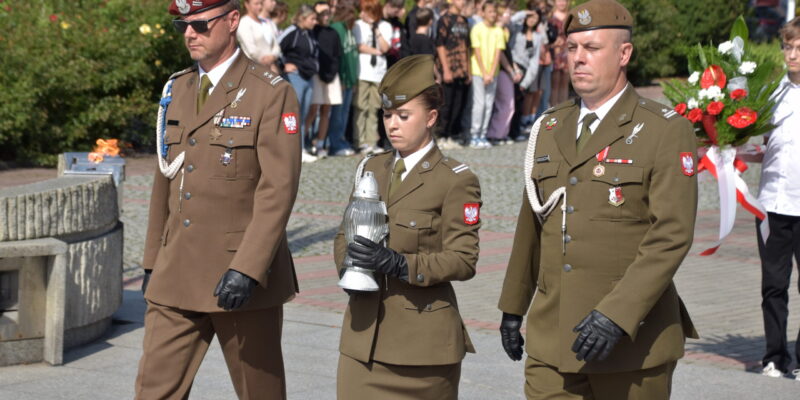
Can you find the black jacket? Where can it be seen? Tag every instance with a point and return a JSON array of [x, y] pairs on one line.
[[330, 51], [299, 48]]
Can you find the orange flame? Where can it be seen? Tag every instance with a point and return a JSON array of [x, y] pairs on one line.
[[104, 148]]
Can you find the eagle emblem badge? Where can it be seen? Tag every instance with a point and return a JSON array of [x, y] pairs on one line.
[[183, 6], [472, 213], [687, 164], [584, 18]]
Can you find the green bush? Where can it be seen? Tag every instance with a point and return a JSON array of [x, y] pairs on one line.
[[74, 71]]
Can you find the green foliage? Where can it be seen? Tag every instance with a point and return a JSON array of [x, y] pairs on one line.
[[704, 63], [75, 71]]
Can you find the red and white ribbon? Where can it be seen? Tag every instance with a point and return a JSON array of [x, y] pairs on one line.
[[727, 169]]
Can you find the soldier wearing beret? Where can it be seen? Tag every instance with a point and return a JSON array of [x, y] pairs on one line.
[[216, 257], [407, 340], [607, 217]]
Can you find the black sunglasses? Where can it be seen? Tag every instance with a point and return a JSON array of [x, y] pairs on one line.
[[199, 25]]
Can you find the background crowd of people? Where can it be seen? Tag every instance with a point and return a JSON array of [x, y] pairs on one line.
[[500, 67]]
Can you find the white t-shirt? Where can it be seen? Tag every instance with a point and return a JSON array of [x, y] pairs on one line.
[[362, 31], [779, 191]]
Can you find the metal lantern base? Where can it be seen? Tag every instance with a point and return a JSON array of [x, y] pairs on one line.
[[358, 279]]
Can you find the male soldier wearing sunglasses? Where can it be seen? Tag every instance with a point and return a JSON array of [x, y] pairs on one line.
[[216, 257]]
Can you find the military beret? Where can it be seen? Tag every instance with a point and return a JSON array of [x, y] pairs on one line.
[[189, 7], [598, 14], [406, 79]]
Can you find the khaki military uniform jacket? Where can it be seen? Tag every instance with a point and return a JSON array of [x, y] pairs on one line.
[[225, 216], [618, 259], [417, 322]]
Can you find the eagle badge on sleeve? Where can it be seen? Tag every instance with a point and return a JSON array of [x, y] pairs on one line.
[[687, 164], [289, 123], [472, 213]]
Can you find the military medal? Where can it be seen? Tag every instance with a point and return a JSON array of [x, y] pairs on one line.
[[215, 132], [615, 197], [551, 123], [600, 170], [227, 156]]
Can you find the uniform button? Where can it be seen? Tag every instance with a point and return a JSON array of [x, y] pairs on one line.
[[573, 180], [190, 168], [187, 196], [567, 267], [426, 165], [192, 142], [230, 141], [567, 239], [428, 307], [570, 209], [420, 278], [412, 223], [186, 223], [615, 179]]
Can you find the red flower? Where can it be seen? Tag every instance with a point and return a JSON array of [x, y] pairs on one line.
[[680, 108], [743, 118], [695, 115], [713, 75], [715, 107], [738, 94], [53, 18]]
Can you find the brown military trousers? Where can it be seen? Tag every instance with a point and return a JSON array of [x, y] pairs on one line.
[[175, 342], [544, 382]]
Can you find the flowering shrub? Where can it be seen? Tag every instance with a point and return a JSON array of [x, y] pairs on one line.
[[75, 71], [728, 94]]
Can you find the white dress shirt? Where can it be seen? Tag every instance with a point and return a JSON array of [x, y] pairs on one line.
[[217, 72], [600, 112], [412, 159], [779, 191]]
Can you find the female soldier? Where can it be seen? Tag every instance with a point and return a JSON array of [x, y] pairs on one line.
[[407, 340]]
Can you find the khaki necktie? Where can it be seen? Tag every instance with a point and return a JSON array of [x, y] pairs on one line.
[[586, 133], [397, 176], [205, 84]]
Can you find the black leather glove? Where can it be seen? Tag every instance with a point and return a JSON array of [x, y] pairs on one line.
[[597, 336], [370, 255], [234, 289], [146, 279], [511, 337]]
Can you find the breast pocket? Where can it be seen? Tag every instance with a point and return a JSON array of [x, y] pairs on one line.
[[235, 154], [173, 137], [544, 175], [407, 228], [619, 193]]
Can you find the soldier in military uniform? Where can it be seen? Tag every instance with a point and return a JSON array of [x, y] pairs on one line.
[[407, 340], [216, 247], [607, 217]]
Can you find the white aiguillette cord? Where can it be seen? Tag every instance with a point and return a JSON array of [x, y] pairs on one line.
[[169, 170], [542, 211]]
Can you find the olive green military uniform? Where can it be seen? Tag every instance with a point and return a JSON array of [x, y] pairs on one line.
[[222, 212], [629, 225], [407, 340]]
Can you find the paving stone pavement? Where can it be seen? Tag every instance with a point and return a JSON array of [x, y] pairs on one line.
[[722, 293]]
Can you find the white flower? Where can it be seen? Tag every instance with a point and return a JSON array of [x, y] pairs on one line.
[[725, 47], [692, 103], [694, 77], [747, 67], [713, 92]]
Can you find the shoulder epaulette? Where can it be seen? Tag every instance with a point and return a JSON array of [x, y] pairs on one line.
[[454, 165], [265, 75], [183, 72], [657, 108], [568, 103]]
